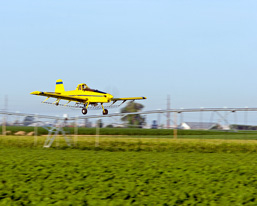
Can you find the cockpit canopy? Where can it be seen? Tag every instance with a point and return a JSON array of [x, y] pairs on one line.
[[84, 87]]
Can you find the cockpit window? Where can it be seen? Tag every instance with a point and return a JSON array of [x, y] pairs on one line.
[[85, 87]]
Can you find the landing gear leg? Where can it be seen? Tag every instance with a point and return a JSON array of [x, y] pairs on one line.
[[105, 111], [84, 109], [56, 102]]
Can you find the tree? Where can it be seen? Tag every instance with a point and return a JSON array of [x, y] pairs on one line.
[[99, 123], [133, 120], [28, 120]]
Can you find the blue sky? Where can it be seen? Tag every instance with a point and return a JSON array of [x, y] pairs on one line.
[[201, 53]]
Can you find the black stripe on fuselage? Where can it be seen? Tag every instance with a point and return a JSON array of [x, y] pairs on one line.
[[99, 91], [87, 95]]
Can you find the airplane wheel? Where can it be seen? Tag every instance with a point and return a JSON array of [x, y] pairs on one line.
[[105, 112], [84, 111]]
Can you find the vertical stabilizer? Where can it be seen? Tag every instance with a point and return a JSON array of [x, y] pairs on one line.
[[59, 88]]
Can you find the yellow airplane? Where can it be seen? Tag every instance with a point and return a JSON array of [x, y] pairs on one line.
[[82, 95]]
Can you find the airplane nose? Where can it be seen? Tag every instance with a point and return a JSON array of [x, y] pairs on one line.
[[110, 96]]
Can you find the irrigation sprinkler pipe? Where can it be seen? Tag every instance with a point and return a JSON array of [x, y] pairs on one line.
[[97, 133], [4, 126], [175, 131], [76, 131], [35, 131]]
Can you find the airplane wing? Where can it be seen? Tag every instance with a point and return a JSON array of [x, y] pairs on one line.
[[128, 98], [59, 96]]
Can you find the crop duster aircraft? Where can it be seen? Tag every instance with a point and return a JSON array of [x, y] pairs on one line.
[[82, 95]]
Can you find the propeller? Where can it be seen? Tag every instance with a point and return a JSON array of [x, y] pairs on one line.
[[113, 90]]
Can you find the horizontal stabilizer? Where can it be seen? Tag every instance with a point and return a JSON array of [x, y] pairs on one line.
[[36, 93]]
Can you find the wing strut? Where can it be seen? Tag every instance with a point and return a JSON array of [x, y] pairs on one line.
[[67, 103], [46, 99]]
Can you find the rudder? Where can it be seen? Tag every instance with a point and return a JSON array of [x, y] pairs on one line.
[[59, 88]]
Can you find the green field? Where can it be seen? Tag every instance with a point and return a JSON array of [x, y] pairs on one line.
[[128, 171]]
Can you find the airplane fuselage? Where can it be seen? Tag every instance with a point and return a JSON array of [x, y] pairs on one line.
[[90, 96]]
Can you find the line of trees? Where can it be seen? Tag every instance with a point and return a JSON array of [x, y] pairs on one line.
[[133, 120]]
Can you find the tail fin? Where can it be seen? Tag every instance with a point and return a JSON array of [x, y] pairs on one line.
[[59, 88]]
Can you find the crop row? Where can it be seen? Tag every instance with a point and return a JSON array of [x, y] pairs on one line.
[[78, 177], [107, 143]]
